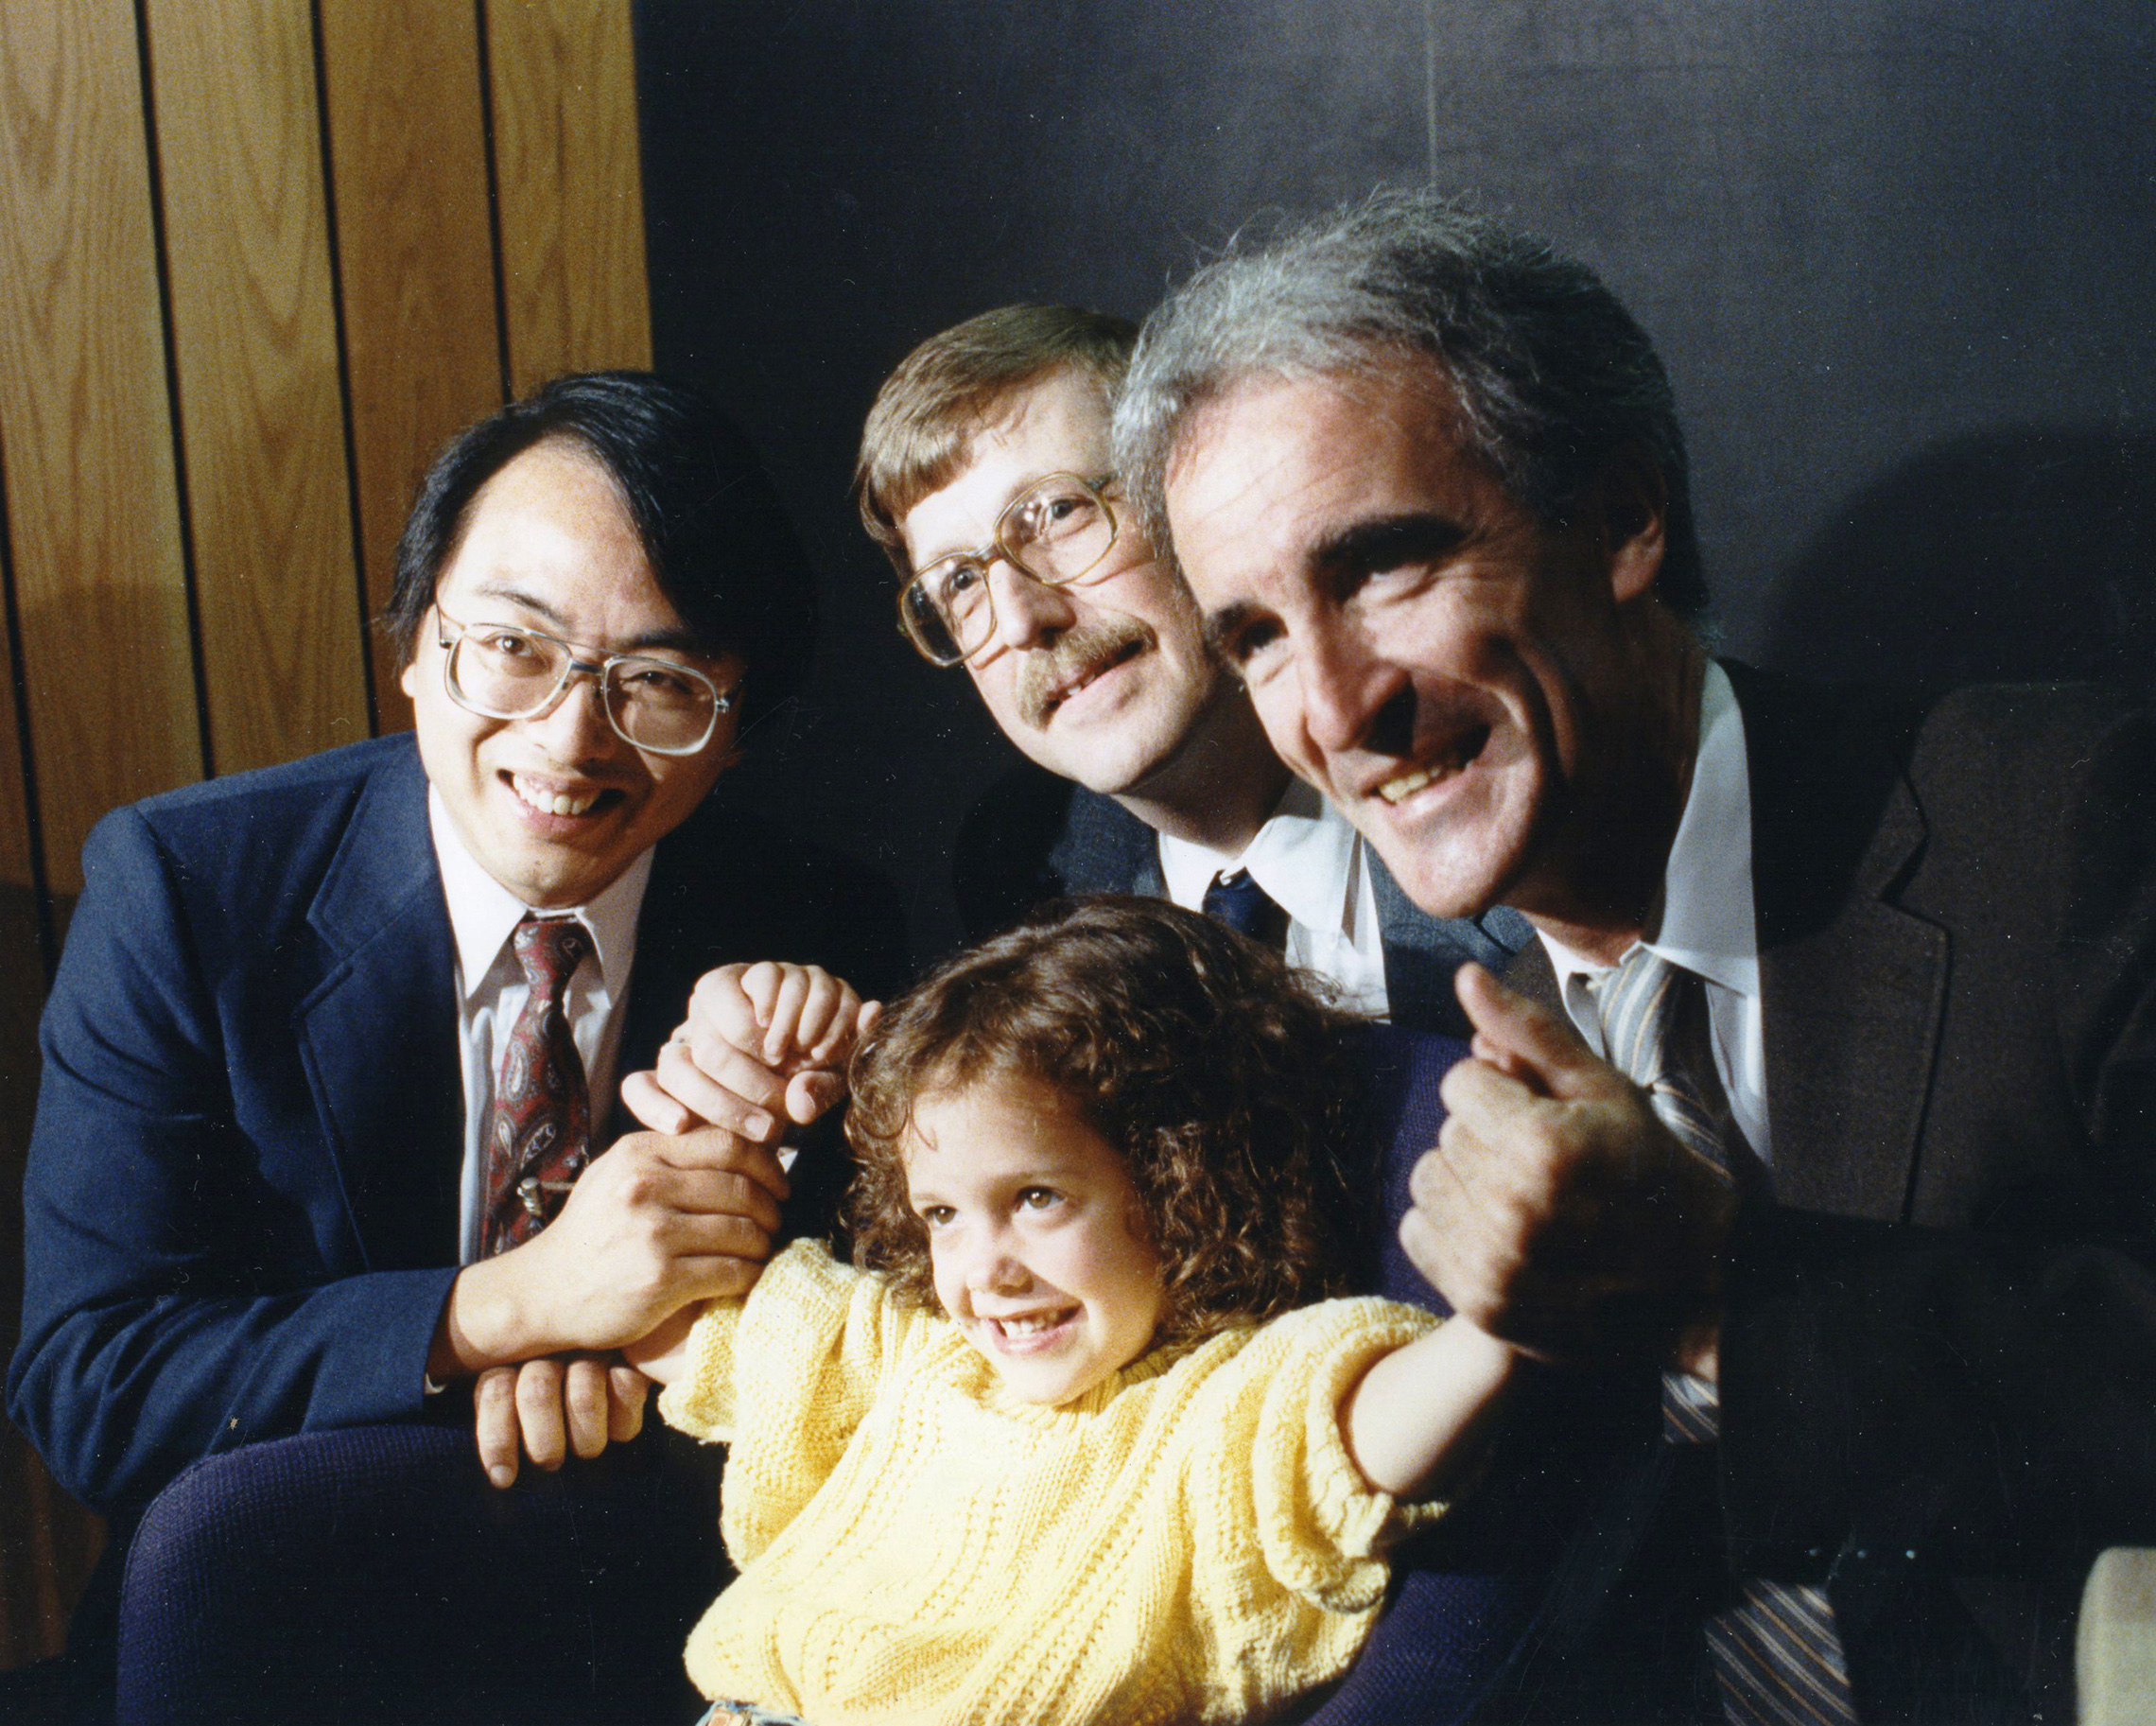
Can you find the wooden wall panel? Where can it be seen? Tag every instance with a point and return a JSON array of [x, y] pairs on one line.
[[561, 76], [85, 428], [416, 253], [254, 344]]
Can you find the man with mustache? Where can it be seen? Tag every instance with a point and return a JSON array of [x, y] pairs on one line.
[[984, 476], [1822, 1113]]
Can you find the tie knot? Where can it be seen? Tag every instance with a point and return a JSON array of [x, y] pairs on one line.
[[1240, 902], [549, 949], [1634, 1002]]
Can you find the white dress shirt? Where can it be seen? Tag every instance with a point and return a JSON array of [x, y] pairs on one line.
[[1708, 923], [491, 989], [1312, 862]]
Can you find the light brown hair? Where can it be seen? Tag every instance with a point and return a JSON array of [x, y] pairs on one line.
[[921, 427], [1226, 1085]]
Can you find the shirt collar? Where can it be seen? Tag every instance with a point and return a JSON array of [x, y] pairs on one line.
[[1303, 856], [1707, 922], [483, 913]]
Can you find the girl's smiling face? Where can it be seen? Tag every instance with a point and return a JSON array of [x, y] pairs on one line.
[[1038, 1239]]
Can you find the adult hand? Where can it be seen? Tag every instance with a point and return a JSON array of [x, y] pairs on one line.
[[548, 1407], [763, 1044], [656, 1222], [1557, 1212]]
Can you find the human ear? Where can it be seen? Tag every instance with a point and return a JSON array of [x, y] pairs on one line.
[[1630, 500]]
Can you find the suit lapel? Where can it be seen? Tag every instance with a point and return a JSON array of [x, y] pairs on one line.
[[1105, 848], [380, 1035], [1854, 986]]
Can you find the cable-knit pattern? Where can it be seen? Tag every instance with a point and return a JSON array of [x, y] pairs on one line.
[[1188, 1541]]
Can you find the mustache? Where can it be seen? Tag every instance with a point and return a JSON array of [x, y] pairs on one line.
[[1045, 677]]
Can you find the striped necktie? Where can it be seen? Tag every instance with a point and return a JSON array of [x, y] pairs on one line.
[[1777, 1657]]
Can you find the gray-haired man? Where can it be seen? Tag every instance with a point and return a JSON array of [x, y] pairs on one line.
[[1425, 479]]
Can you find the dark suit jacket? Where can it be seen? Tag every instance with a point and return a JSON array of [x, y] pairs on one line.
[[1033, 836], [241, 1203], [1939, 1358]]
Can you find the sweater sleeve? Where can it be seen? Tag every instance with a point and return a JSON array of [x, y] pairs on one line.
[[1285, 1471], [785, 1378]]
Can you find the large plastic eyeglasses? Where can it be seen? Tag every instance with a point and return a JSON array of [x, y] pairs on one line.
[[504, 671], [1055, 530]]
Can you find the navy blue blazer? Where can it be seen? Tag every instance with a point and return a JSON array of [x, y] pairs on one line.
[[1033, 836], [240, 1210]]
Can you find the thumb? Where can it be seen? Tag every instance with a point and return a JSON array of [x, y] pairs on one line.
[[1525, 1039], [809, 1093]]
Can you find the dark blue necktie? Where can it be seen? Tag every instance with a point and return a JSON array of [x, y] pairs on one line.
[[1243, 905]]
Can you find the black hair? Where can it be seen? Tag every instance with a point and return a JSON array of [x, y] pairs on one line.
[[720, 542]]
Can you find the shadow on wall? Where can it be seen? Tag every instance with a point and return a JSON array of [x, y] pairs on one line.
[[2018, 555]]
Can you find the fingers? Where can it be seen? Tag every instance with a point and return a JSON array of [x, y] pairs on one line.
[[1523, 1038], [539, 1412], [494, 1408], [549, 1407], [808, 1094], [718, 1084], [587, 1405], [626, 1390], [715, 1151], [808, 1015], [644, 1097]]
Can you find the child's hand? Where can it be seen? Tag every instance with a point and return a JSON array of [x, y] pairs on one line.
[[763, 1044]]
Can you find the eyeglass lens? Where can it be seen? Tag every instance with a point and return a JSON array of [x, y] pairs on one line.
[[1055, 532], [508, 674]]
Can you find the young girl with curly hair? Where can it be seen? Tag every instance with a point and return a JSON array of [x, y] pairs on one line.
[[1083, 1436]]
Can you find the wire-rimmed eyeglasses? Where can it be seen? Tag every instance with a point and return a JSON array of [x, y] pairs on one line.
[[504, 671], [1057, 530]]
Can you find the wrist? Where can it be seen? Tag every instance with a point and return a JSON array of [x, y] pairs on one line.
[[487, 1321]]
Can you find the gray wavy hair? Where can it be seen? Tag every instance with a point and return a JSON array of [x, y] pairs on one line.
[[1550, 372]]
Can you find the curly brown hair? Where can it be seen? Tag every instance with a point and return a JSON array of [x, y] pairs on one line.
[[1227, 1085]]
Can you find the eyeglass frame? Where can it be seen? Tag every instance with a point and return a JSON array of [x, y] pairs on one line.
[[721, 700], [987, 556]]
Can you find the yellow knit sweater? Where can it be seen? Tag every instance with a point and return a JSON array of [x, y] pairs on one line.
[[1188, 1541]]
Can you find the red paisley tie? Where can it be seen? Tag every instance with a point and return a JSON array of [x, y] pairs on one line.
[[539, 1128]]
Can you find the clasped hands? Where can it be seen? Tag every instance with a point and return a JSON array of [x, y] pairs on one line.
[[1557, 1211], [665, 1219]]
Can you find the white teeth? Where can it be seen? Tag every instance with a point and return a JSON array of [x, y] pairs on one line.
[[1031, 1325], [1392, 791], [552, 802]]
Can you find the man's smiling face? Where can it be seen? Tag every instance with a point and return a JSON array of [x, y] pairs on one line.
[[556, 805], [1106, 679], [1432, 657]]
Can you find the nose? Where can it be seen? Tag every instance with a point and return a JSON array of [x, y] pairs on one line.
[[1345, 685], [993, 1268], [1028, 613], [575, 725]]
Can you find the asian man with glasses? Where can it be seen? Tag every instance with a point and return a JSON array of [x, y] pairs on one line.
[[330, 1060]]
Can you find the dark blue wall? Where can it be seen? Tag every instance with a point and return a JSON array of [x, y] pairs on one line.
[[1898, 254]]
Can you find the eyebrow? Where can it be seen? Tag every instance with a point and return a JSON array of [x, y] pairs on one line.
[[1386, 543], [680, 640]]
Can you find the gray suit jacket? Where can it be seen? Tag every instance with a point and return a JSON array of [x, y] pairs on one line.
[[1033, 836], [1938, 1357]]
